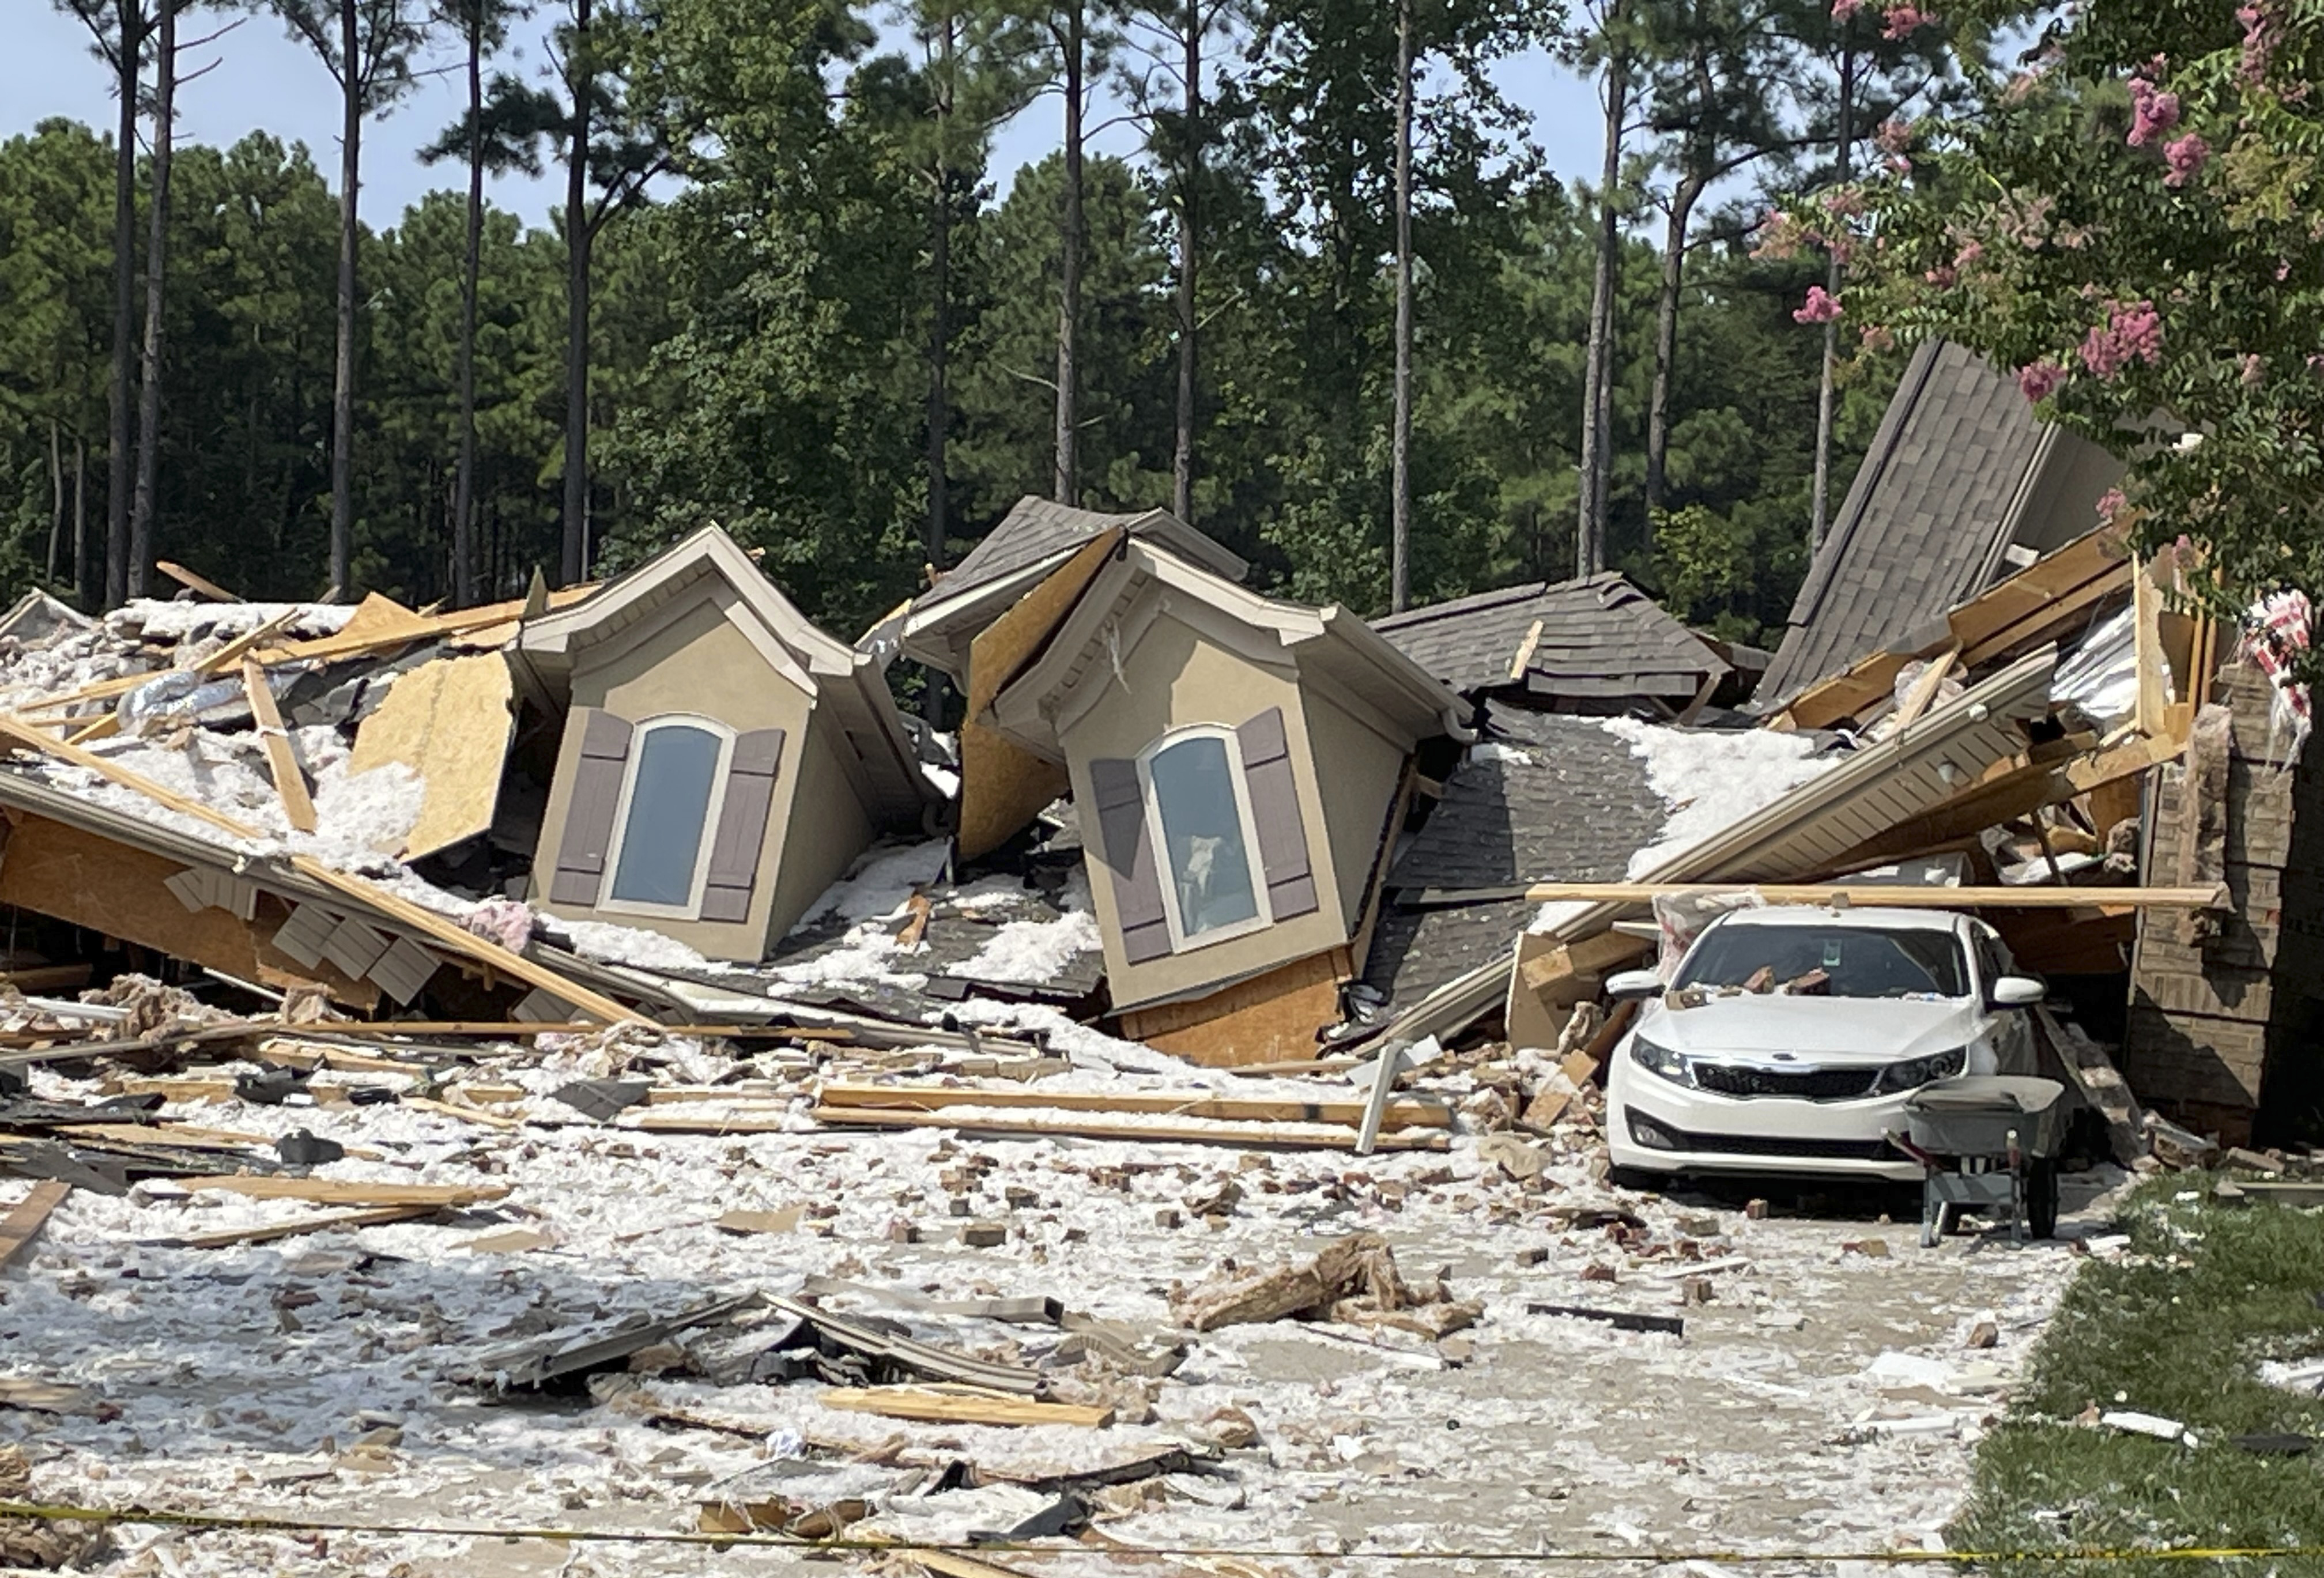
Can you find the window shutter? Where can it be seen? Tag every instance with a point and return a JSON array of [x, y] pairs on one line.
[[1129, 855], [743, 824], [1274, 811], [589, 816]]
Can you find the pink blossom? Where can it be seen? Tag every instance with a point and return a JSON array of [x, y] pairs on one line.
[[1970, 253], [1903, 19], [2186, 156], [1941, 277], [2113, 506], [2040, 381], [2132, 332], [1820, 306], [1845, 202], [2152, 112], [1895, 136], [2260, 39], [1841, 10], [2255, 370], [1878, 337]]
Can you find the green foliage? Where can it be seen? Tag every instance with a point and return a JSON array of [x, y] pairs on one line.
[[2158, 269]]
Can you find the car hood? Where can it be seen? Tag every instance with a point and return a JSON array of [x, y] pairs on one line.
[[1822, 1030]]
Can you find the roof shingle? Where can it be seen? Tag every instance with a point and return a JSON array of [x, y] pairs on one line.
[[1602, 642]]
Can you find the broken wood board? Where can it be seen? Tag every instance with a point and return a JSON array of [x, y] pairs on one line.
[[198, 585], [450, 722], [1002, 784], [1270, 1018], [281, 761], [379, 617], [349, 1192], [1403, 1114], [465, 1114], [428, 627], [226, 657], [1870, 896], [743, 1222], [23, 1224], [931, 1406], [1034, 1123], [376, 1216], [123, 891]]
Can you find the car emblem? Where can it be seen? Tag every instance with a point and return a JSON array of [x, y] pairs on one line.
[[1787, 1057]]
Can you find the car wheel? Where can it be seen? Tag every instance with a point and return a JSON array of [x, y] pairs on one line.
[[2042, 1198]]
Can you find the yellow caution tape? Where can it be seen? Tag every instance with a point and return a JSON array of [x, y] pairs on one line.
[[264, 1523]]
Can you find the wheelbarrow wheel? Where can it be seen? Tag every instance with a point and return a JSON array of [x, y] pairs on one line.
[[2042, 1198]]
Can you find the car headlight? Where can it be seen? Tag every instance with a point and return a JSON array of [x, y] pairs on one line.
[[1916, 1072], [1660, 1059]]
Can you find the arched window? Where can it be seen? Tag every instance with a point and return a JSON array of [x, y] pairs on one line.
[[1200, 809], [670, 804]]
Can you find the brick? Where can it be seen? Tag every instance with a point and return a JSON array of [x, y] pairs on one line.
[[984, 1235]]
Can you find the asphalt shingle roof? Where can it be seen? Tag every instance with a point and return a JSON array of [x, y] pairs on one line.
[[1036, 529], [1565, 800], [1921, 527], [1602, 642]]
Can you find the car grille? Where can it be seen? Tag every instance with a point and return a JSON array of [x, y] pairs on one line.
[[1760, 1144], [1814, 1085]]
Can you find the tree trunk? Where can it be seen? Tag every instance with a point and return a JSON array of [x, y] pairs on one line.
[[342, 370], [149, 373], [1182, 458], [1819, 506], [1400, 441], [581, 71], [1069, 271], [464, 487], [124, 308], [1682, 212], [56, 504], [937, 528], [80, 520], [1590, 529]]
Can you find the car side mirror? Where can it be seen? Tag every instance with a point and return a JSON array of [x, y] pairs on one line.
[[1633, 985], [2018, 991]]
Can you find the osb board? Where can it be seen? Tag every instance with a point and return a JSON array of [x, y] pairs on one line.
[[1269, 1019], [378, 617], [110, 888], [1002, 784], [449, 722]]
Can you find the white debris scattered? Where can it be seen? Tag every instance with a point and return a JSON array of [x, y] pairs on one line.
[[2306, 1375], [1494, 751], [2133, 1422], [1036, 951], [880, 883], [1712, 779]]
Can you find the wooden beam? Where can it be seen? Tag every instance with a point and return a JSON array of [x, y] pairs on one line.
[[955, 1407], [375, 1217], [1870, 896], [2153, 673], [281, 761], [1248, 1134], [1924, 689], [1178, 1103], [350, 1192], [14, 733], [23, 1224], [194, 583]]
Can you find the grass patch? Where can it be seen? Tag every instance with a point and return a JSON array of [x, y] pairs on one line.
[[2176, 1329]]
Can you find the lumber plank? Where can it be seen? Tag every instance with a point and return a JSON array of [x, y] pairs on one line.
[[24, 1223], [1091, 1128], [1180, 1103], [1924, 689], [349, 1192], [468, 1114], [930, 1406], [281, 761], [375, 1217], [1874, 896], [16, 733], [198, 585]]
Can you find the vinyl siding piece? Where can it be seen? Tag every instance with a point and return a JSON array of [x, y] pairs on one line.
[[735, 849], [1274, 814], [1129, 856], [301, 937], [589, 819]]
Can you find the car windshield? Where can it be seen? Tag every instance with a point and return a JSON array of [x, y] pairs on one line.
[[1830, 961]]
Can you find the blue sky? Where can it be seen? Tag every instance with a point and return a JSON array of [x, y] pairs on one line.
[[263, 80]]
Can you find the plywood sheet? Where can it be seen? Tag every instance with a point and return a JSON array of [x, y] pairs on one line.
[[1002, 784], [1269, 1019], [378, 617], [450, 722], [83, 880]]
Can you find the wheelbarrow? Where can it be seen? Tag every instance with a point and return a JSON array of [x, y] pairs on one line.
[[1987, 1142]]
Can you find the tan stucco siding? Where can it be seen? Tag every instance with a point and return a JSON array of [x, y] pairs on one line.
[[828, 829], [697, 663], [1177, 677], [1359, 775]]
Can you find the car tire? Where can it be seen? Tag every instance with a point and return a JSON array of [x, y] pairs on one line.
[[2042, 1198]]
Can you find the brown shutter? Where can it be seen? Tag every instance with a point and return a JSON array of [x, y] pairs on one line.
[[589, 813], [742, 824], [1274, 811], [1129, 853]]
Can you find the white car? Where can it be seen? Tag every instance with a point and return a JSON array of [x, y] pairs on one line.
[[1818, 1024]]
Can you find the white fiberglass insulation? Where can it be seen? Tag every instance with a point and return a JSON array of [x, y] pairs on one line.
[[1824, 1401]]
